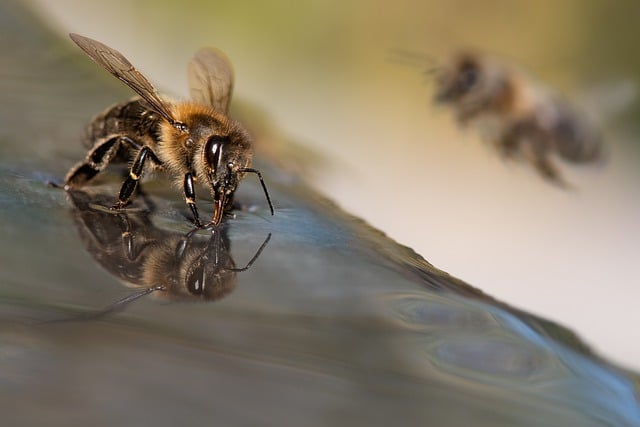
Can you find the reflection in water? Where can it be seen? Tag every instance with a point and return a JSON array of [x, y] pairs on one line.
[[170, 264]]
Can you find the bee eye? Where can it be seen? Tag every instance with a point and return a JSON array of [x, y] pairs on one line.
[[468, 77], [196, 281], [213, 150]]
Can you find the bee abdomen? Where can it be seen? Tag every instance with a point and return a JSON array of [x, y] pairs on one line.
[[578, 140], [133, 119]]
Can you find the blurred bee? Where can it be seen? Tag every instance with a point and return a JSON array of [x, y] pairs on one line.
[[172, 265], [192, 141], [520, 116]]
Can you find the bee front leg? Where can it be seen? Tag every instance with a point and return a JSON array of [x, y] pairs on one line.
[[135, 173], [190, 197]]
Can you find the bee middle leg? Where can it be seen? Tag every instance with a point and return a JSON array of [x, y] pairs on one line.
[[135, 173], [515, 139], [507, 146]]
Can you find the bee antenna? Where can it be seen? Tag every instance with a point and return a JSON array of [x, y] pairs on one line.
[[429, 73], [411, 58], [433, 70], [115, 307], [264, 187], [255, 257]]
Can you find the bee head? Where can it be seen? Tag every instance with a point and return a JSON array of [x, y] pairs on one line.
[[457, 80], [211, 147], [209, 274], [224, 158]]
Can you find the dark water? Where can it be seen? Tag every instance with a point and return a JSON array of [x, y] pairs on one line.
[[331, 324]]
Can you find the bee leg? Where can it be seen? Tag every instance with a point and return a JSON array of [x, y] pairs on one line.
[[507, 146], [523, 136], [549, 171], [97, 159], [190, 197], [538, 155], [131, 182]]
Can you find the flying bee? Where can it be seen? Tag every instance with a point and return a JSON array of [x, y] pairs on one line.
[[193, 141], [520, 116]]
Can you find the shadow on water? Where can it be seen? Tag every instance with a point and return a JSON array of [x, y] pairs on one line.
[[333, 324]]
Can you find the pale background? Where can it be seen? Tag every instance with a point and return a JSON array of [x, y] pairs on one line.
[[320, 70]]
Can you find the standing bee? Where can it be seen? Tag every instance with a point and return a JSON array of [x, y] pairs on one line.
[[520, 116], [192, 141]]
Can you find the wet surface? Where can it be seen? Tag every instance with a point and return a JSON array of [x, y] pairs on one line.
[[331, 323]]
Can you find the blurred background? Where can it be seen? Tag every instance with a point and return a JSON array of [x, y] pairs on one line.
[[375, 144]]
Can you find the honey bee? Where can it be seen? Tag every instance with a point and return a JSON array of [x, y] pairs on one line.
[[520, 116], [172, 265], [193, 141]]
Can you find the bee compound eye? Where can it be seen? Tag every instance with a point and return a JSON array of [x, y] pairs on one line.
[[196, 281], [469, 78], [468, 75], [213, 150]]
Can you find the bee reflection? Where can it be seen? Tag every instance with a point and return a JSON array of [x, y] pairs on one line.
[[172, 265]]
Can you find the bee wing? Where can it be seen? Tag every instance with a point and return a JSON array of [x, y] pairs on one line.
[[115, 63], [211, 78]]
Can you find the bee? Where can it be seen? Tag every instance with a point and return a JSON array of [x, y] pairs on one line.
[[193, 141], [172, 265], [521, 117]]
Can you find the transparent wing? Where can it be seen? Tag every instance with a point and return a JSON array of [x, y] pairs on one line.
[[211, 78], [115, 63]]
